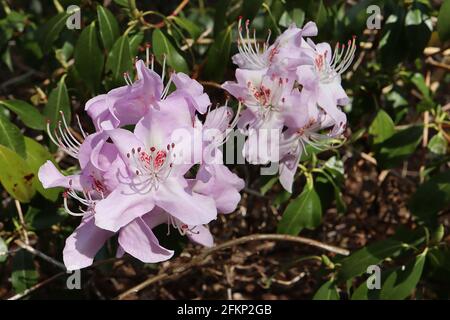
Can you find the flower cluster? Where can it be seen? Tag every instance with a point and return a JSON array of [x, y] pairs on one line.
[[132, 181], [291, 88]]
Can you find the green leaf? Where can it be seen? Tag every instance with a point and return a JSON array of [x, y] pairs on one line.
[[418, 28], [250, 8], [3, 250], [29, 115], [135, 42], [89, 59], [37, 155], [401, 282], [194, 30], [431, 197], [24, 273], [382, 127], [58, 101], [218, 56], [443, 24], [162, 46], [303, 212], [268, 183], [393, 41], [109, 28], [327, 291], [358, 262], [399, 147], [427, 102], [122, 3], [50, 30], [119, 59], [220, 16], [6, 58], [364, 293], [438, 144], [296, 16], [18, 181], [10, 136], [321, 15]]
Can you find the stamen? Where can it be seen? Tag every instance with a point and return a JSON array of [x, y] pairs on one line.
[[63, 137]]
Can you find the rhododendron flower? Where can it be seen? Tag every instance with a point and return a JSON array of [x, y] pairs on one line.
[[130, 182], [285, 49], [153, 177], [322, 81], [292, 93], [128, 104], [213, 178]]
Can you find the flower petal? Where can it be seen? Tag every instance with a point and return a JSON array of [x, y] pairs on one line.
[[201, 235], [218, 182], [137, 239], [190, 208], [83, 244], [121, 206], [50, 177]]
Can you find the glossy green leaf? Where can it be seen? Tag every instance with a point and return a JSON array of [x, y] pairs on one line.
[[418, 27], [268, 183], [193, 29], [220, 16], [327, 291], [419, 82], [163, 47], [10, 136], [3, 250], [24, 274], [135, 42], [321, 15], [431, 197], [401, 282], [218, 56], [382, 127], [393, 41], [303, 212], [250, 8], [18, 181], [399, 146], [109, 28], [373, 254], [29, 114], [119, 59], [89, 58], [58, 101], [37, 155], [49, 32], [443, 24], [296, 16], [438, 144]]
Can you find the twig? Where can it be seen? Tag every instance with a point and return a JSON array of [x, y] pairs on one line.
[[22, 221], [211, 84], [35, 287], [174, 13], [426, 114], [435, 63], [40, 254], [169, 272]]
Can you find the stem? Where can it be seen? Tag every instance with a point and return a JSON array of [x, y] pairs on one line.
[[40, 254], [134, 10], [170, 272], [22, 221]]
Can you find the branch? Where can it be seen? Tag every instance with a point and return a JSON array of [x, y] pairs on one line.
[[36, 286], [40, 254], [170, 272]]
